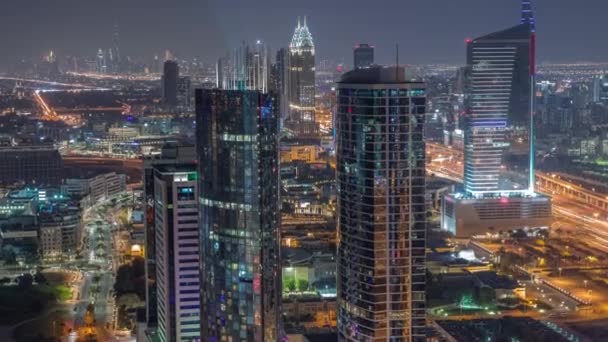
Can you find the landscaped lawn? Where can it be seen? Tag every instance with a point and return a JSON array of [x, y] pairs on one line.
[[18, 304], [60, 292]]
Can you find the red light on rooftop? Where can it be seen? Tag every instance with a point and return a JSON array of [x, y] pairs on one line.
[[468, 40]]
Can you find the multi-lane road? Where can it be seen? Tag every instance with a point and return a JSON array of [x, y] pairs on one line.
[[445, 163], [97, 284]]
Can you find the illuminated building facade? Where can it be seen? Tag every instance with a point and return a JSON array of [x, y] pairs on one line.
[[499, 104], [301, 91], [177, 252], [237, 135], [381, 206], [499, 136], [170, 155], [245, 68]]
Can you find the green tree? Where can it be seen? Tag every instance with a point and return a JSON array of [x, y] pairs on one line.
[[302, 285], [290, 285]]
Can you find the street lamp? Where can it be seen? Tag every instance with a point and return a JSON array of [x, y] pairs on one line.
[[585, 282]]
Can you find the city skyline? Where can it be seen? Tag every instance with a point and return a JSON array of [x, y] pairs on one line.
[[439, 38], [312, 171]]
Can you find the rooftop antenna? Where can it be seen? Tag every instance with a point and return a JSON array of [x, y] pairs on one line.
[[396, 61], [304, 21], [298, 21]]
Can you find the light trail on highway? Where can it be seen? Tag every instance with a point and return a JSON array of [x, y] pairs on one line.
[[562, 206], [48, 113], [73, 85]]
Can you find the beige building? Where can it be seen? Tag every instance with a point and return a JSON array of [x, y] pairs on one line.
[[306, 153], [50, 242]]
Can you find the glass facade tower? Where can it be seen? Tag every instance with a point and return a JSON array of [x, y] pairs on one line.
[[237, 146], [381, 206]]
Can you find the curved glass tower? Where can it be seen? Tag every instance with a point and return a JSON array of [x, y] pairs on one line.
[[381, 206], [237, 146]]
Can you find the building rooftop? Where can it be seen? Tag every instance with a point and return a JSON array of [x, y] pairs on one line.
[[496, 281], [503, 329], [377, 75], [171, 168]]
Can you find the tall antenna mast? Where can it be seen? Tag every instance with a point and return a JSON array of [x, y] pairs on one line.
[[396, 61]]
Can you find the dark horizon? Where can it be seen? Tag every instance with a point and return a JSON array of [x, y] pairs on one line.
[[207, 29]]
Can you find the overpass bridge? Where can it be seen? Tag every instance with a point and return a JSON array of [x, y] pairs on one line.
[[548, 184]]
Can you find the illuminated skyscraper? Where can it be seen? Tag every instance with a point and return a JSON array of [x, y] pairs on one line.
[[497, 122], [245, 68], [177, 252], [101, 62], [237, 136], [499, 136], [381, 206], [363, 56], [171, 155], [302, 81], [115, 50]]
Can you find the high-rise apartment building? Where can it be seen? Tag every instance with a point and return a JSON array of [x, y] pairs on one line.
[[171, 154], [177, 252], [499, 136], [302, 82], [363, 56], [237, 137], [381, 206], [170, 83]]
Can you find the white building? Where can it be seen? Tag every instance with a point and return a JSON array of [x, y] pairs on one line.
[[99, 188], [177, 252]]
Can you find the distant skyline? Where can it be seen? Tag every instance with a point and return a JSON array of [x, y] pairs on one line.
[[430, 31]]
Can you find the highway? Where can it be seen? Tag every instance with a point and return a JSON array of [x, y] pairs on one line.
[[59, 84], [447, 163]]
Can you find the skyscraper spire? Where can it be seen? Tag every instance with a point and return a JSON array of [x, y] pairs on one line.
[[527, 16], [299, 22], [304, 21]]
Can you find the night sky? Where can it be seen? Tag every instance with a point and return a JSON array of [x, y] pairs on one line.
[[428, 31]]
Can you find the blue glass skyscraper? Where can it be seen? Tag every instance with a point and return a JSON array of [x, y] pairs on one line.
[[237, 147]]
